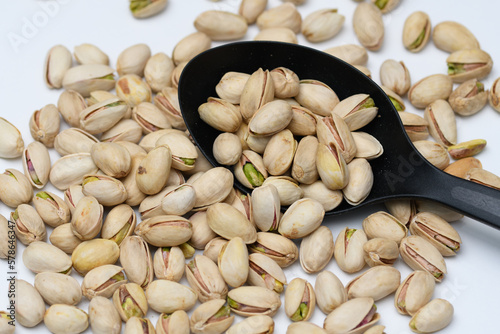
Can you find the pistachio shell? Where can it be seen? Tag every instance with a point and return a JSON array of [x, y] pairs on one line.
[[15, 188], [130, 300], [107, 190], [469, 64], [220, 114], [253, 300], [12, 140], [253, 325], [251, 9], [233, 262], [57, 288], [416, 31], [303, 121], [94, 253], [383, 225], [330, 292], [63, 238], [288, 189], [330, 199], [304, 162], [316, 250], [103, 317], [212, 187], [133, 59], [103, 281], [152, 173], [57, 62], [258, 90], [468, 98], [350, 53], [29, 226], [380, 252], [432, 317], [228, 222], [277, 247], [221, 25], [125, 130], [414, 292], [304, 327], [227, 149], [360, 181], [284, 15], [300, 300], [322, 25], [44, 125], [348, 250], [348, 316], [74, 140], [175, 323], [90, 54], [131, 89], [356, 110], [452, 36], [395, 76], [231, 86], [165, 230], [367, 146], [41, 257], [87, 78], [158, 71], [419, 254], [102, 116], [435, 153], [301, 218], [430, 89], [190, 46], [167, 296], [211, 317], [277, 34], [368, 26], [416, 127], [184, 152], [265, 272], [317, 97], [30, 307], [377, 283]]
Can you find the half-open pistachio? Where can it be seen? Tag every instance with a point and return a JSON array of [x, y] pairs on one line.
[[253, 300], [419, 254], [300, 300]]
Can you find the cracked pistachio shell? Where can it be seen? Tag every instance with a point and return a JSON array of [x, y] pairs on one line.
[[221, 25], [97, 96], [106, 189], [130, 301], [395, 76], [174, 323], [256, 324], [348, 250], [184, 153], [317, 190], [253, 300], [29, 226], [380, 252], [304, 327], [63, 238], [165, 230], [279, 152], [386, 6], [439, 209], [442, 124], [356, 110], [469, 64], [434, 316], [88, 78], [285, 15], [94, 253], [420, 254], [403, 210], [300, 300], [435, 153], [143, 9], [178, 200], [133, 90], [5, 245], [167, 296], [36, 164], [168, 102], [125, 130], [367, 146], [119, 223], [30, 306], [330, 292], [57, 62], [483, 177], [103, 316], [288, 189], [322, 25], [368, 26], [377, 283], [228, 222], [416, 127], [332, 168], [304, 162], [317, 96], [57, 288], [277, 247], [153, 170], [416, 31], [469, 98], [278, 34], [437, 231], [44, 125], [204, 277], [51, 208], [86, 222], [220, 114], [168, 263], [227, 148], [70, 105], [15, 188], [383, 225], [190, 46], [335, 130], [430, 89], [133, 59], [265, 272], [90, 54], [150, 118], [302, 218], [60, 318], [316, 250], [230, 86], [137, 324], [158, 71], [102, 116], [202, 233], [212, 187], [258, 90], [74, 140], [303, 122], [266, 207], [251, 9], [452, 36], [350, 53], [348, 317], [103, 281], [41, 257], [211, 317], [12, 140], [233, 262], [414, 292], [286, 82], [73, 195], [111, 158]]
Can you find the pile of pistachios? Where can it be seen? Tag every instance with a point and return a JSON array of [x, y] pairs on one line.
[[126, 155]]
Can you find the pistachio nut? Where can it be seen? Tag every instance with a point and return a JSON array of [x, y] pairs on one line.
[[441, 210], [152, 173], [36, 164], [57, 288], [90, 54], [484, 177], [133, 59], [44, 125], [416, 31], [380, 252], [7, 244], [356, 110], [230, 86], [354, 316], [51, 208], [383, 225], [304, 327], [367, 146], [204, 277], [368, 26], [330, 199], [158, 71], [360, 181], [28, 225], [430, 89], [278, 34], [12, 140], [251, 9], [403, 210], [63, 238], [256, 324], [468, 98], [103, 281], [103, 316], [150, 118], [30, 307], [317, 96], [348, 250], [395, 76], [258, 90], [212, 316], [316, 250], [322, 25], [176, 74], [416, 127], [102, 116], [301, 218], [304, 162], [233, 262], [134, 149], [330, 292], [41, 257], [84, 79], [414, 292], [257, 143], [178, 200], [285, 15], [350, 53], [253, 300], [165, 230], [57, 62], [190, 46], [270, 119], [15, 188], [300, 300], [386, 5], [202, 165], [94, 253], [220, 114], [279, 152], [168, 263], [202, 233], [266, 208], [119, 224], [125, 130], [111, 158], [265, 272], [493, 96], [420, 254], [466, 149], [332, 168], [303, 121], [139, 325], [435, 153], [288, 188], [228, 222], [151, 205], [70, 104], [286, 82], [130, 301], [221, 25], [460, 167], [227, 149], [434, 316], [396, 100], [97, 96], [212, 187], [213, 247], [183, 151], [106, 189], [177, 322], [145, 8], [335, 130], [469, 64], [277, 247], [250, 169], [168, 296], [74, 140], [377, 283], [73, 195], [451, 36], [131, 89]]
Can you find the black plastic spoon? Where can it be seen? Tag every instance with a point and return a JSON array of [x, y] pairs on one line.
[[401, 172]]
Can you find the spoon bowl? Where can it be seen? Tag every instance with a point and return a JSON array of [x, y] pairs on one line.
[[400, 172]]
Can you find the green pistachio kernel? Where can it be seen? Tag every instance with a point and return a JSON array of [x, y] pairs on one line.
[[253, 175], [455, 68], [131, 309], [232, 303], [136, 5], [381, 3], [90, 179], [301, 312], [396, 104], [224, 311], [349, 233], [418, 41], [369, 103], [118, 237], [188, 161], [187, 250]]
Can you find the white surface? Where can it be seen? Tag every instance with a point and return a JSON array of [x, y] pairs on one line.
[[471, 283]]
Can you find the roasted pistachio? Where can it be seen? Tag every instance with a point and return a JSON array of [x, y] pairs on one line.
[[277, 247], [221, 25], [103, 316], [432, 317], [103, 281], [29, 226], [330, 292], [377, 283], [354, 316], [87, 78], [348, 250], [302, 218], [15, 188], [452, 36], [133, 59], [300, 300], [369, 26], [167, 296], [51, 208], [430, 89], [146, 8], [211, 317], [414, 292], [416, 31], [44, 125], [41, 257], [419, 254], [316, 250], [380, 251], [30, 307], [57, 62], [169, 263], [383, 225], [284, 15], [12, 140], [94, 253], [130, 301], [57, 288], [322, 25], [253, 300]]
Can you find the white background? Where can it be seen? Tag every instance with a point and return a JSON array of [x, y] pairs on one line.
[[472, 281]]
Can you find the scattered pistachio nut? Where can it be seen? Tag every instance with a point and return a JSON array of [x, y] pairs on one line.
[[416, 31], [468, 98], [451, 36], [12, 140], [466, 149], [432, 317], [414, 292]]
